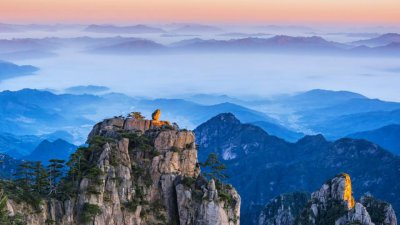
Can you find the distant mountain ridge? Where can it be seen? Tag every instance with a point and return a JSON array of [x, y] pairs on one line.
[[387, 137], [86, 89], [47, 150], [197, 113], [279, 131], [381, 40], [357, 122], [320, 98], [135, 29], [8, 166], [10, 70], [131, 47], [196, 28], [332, 113], [36, 112], [282, 44], [18, 146]]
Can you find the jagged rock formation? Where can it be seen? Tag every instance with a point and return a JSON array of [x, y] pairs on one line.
[[138, 172], [137, 122], [381, 212], [332, 204], [283, 209], [156, 119]]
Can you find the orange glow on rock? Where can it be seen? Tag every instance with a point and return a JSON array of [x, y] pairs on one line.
[[348, 193]]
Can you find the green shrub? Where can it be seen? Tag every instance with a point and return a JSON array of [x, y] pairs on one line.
[[89, 211], [49, 222], [96, 143], [114, 160], [188, 146], [197, 195], [227, 198], [91, 189], [93, 174], [131, 205], [174, 149], [188, 181]]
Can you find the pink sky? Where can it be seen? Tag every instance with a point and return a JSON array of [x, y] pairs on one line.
[[227, 11]]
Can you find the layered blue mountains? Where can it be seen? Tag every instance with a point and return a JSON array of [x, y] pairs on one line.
[[31, 116], [10, 70]]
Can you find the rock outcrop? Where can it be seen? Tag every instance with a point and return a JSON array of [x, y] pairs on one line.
[[381, 212], [138, 172], [283, 209], [332, 204]]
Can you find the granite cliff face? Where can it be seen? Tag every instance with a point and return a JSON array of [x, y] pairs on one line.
[[137, 172], [333, 203]]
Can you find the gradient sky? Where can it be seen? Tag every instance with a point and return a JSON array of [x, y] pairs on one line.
[[226, 11]]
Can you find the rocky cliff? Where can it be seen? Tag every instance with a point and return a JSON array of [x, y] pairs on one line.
[[135, 171], [332, 204], [381, 212]]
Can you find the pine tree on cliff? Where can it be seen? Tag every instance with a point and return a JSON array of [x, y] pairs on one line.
[[213, 168], [55, 172], [41, 179], [25, 176], [3, 207], [76, 164]]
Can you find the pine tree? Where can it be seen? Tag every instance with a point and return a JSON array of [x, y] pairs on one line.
[[213, 168], [25, 176], [77, 163], [136, 115], [55, 173], [41, 179], [3, 208]]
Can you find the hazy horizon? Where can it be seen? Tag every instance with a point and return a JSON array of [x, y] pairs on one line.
[[232, 73]]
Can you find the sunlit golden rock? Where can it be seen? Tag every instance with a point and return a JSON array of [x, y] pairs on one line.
[[156, 122], [156, 114], [348, 194], [137, 122]]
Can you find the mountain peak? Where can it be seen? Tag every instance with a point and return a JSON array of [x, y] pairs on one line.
[[322, 92], [46, 150], [228, 118], [318, 138], [381, 40], [390, 35]]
